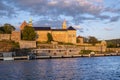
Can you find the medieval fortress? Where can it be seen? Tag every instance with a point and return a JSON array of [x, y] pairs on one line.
[[64, 34]]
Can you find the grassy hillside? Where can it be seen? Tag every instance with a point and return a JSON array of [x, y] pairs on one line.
[[6, 46]]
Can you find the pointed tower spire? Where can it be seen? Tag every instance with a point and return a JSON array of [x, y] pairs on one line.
[[64, 25], [30, 22], [23, 25]]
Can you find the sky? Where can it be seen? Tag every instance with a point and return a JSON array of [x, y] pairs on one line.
[[99, 18]]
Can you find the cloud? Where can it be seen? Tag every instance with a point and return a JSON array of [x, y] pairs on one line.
[[64, 7], [49, 23], [108, 29], [78, 28], [6, 10], [114, 19], [54, 9]]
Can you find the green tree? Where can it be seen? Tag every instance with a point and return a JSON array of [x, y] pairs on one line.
[[50, 38], [7, 28], [1, 30], [77, 40], [28, 33], [111, 45], [92, 40]]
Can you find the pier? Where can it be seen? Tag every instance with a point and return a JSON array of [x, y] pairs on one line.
[[53, 57], [53, 53]]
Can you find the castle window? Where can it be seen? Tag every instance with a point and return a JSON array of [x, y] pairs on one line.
[[73, 35]]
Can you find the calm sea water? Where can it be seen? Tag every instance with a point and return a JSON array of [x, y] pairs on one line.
[[94, 68]]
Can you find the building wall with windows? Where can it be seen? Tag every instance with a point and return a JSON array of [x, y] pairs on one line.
[[60, 36], [72, 36], [65, 35], [42, 35]]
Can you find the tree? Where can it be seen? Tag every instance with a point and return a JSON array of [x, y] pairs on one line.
[[28, 33], [1, 30], [93, 40], [7, 28], [110, 44], [77, 40], [50, 38]]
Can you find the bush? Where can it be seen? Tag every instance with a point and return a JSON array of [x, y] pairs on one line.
[[50, 38], [43, 42], [65, 43], [85, 51]]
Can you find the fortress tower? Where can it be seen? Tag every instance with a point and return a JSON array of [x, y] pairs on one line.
[[23, 25], [26, 24], [64, 25], [30, 23]]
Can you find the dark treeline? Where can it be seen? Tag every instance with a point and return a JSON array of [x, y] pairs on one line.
[[114, 43], [6, 28], [91, 39]]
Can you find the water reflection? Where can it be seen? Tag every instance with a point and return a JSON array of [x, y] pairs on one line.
[[95, 68]]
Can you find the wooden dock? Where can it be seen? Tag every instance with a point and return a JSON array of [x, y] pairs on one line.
[[21, 58], [42, 57]]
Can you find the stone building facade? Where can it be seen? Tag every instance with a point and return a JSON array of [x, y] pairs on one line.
[[66, 35], [61, 35]]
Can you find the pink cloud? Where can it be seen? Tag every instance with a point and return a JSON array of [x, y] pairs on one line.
[[108, 29]]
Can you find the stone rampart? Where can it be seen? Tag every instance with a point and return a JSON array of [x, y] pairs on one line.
[[16, 36], [113, 49], [27, 44], [94, 48], [5, 37]]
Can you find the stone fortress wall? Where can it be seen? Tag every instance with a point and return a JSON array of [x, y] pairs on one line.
[[60, 36], [14, 36], [5, 37], [42, 35]]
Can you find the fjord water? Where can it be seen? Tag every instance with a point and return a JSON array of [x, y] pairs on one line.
[[94, 68]]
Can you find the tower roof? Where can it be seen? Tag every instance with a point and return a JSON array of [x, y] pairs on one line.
[[64, 25], [42, 28], [30, 22], [23, 25], [71, 28], [59, 29], [79, 36]]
